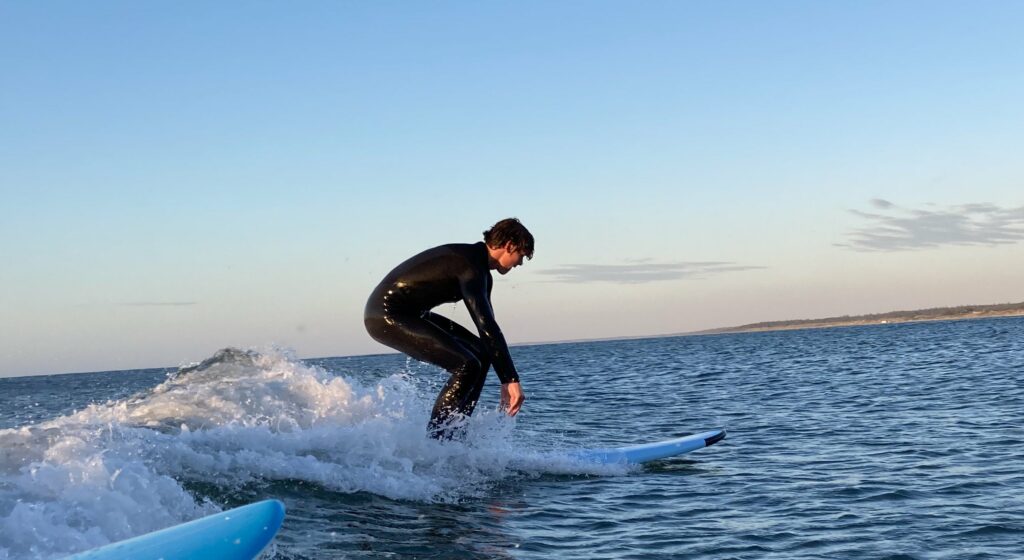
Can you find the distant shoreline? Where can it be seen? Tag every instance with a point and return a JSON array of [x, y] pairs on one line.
[[963, 312]]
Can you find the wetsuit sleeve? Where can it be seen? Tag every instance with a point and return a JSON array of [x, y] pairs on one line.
[[478, 302]]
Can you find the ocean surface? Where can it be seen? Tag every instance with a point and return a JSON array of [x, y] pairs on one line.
[[888, 441]]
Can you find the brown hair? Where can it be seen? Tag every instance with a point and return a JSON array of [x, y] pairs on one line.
[[510, 230]]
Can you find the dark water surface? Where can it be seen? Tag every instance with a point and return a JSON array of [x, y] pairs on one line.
[[890, 441]]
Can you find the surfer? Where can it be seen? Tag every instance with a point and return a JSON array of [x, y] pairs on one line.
[[398, 314]]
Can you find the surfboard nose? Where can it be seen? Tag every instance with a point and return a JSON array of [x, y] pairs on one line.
[[715, 438]]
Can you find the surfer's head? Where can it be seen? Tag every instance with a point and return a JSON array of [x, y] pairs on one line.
[[510, 230], [508, 243]]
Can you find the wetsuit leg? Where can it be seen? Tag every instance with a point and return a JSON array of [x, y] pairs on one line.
[[438, 340], [463, 389]]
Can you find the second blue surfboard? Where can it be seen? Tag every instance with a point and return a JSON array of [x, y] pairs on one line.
[[635, 454], [237, 534]]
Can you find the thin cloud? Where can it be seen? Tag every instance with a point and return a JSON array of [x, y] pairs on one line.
[[640, 272], [159, 303], [893, 228]]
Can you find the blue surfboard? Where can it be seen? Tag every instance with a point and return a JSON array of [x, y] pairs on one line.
[[237, 534], [635, 454]]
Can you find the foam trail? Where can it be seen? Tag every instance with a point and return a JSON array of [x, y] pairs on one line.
[[119, 469]]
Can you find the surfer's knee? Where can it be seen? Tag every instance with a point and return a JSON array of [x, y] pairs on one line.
[[373, 328], [380, 329], [470, 366]]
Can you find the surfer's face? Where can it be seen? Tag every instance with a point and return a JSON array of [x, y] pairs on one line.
[[509, 259]]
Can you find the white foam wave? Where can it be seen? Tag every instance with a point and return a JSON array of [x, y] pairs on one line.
[[120, 469]]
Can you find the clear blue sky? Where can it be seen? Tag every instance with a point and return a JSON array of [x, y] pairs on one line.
[[177, 177]]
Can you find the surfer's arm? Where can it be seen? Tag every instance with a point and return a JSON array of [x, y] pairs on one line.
[[474, 293]]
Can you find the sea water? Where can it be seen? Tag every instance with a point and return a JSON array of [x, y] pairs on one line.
[[889, 441]]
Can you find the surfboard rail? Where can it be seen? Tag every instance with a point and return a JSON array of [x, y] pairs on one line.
[[237, 534]]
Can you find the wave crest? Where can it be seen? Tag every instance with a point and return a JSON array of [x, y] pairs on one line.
[[123, 468]]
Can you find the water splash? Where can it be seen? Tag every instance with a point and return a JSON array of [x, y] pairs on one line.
[[123, 468]]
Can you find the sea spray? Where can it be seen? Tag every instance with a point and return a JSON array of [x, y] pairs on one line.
[[126, 467]]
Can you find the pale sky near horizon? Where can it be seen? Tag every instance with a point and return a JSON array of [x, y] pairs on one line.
[[180, 177]]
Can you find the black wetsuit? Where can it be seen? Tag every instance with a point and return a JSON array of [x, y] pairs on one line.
[[398, 315]]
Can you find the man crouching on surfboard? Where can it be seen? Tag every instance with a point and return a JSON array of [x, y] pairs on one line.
[[398, 315]]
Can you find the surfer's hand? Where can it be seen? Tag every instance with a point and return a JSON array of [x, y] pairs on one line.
[[512, 398]]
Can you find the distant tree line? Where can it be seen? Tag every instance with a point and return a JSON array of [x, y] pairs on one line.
[[920, 314]]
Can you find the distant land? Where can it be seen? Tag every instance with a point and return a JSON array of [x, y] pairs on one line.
[[933, 314]]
